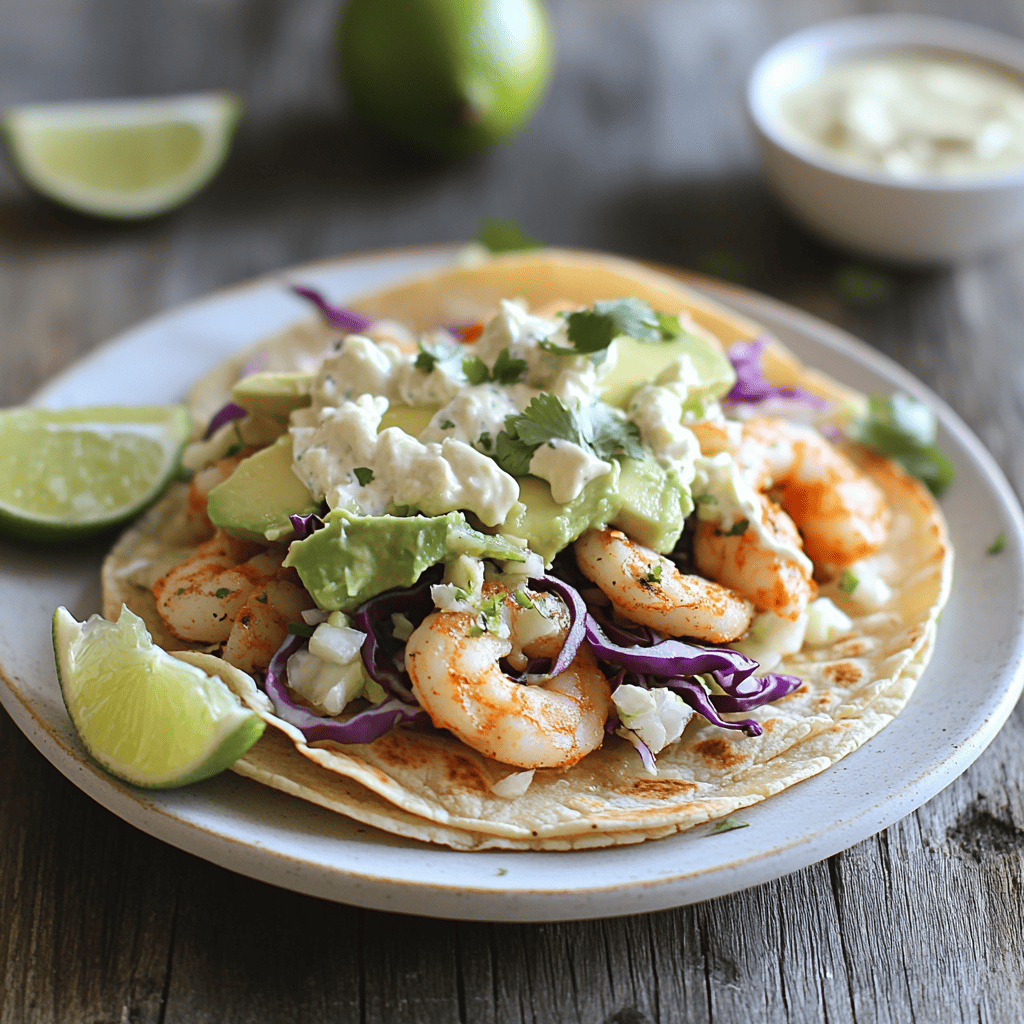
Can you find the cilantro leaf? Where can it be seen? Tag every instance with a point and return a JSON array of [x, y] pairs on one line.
[[998, 545], [612, 435], [737, 529], [728, 825], [904, 430], [363, 474], [546, 419], [653, 575], [849, 583], [498, 235], [596, 428], [506, 369], [475, 370], [591, 331], [670, 327]]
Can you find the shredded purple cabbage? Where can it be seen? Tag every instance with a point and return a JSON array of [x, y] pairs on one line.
[[347, 319], [669, 658], [577, 619], [645, 753], [306, 525], [383, 655], [225, 414], [704, 704], [752, 691], [751, 385], [363, 727]]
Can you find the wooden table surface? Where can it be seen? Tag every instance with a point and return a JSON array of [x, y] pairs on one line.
[[641, 148]]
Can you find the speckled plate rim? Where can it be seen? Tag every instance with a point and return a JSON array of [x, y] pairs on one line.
[[286, 842]]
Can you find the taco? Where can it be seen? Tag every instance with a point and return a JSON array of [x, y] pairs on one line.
[[597, 584]]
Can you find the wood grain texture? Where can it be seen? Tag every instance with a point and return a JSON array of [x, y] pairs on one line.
[[640, 148]]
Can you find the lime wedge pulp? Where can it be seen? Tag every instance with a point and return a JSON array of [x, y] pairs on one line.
[[143, 715], [127, 158], [68, 473]]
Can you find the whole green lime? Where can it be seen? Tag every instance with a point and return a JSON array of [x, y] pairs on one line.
[[450, 76]]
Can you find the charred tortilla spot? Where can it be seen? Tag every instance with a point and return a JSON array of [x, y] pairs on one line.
[[719, 751], [660, 787], [843, 672]]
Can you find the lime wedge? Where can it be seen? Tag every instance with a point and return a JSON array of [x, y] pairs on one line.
[[126, 159], [69, 473], [142, 714]]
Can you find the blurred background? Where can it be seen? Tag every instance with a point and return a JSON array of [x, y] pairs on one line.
[[640, 147]]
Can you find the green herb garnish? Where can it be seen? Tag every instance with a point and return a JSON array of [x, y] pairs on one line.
[[301, 628], [738, 528], [222, 593], [498, 235], [506, 369], [596, 428], [363, 474], [729, 824], [849, 583], [903, 429], [998, 545], [653, 575], [445, 355]]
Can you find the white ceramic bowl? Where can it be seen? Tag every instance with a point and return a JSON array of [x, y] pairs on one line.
[[927, 220]]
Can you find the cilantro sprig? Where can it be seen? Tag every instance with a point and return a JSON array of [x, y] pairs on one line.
[[596, 428], [507, 369], [904, 430], [591, 331]]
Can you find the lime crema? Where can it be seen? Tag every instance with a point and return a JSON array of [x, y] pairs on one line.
[[913, 114]]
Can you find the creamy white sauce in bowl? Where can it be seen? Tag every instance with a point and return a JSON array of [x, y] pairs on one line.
[[900, 137], [911, 113]]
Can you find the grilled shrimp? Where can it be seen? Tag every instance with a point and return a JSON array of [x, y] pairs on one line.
[[457, 678], [763, 571], [235, 593], [647, 588], [841, 514]]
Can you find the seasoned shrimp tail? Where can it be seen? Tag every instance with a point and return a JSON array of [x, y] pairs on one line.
[[458, 679]]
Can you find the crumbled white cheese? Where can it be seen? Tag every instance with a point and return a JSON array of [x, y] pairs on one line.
[[567, 467], [658, 413], [771, 637], [657, 716], [825, 622], [871, 592], [476, 415], [331, 445]]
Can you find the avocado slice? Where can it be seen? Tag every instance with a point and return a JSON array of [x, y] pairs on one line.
[[355, 557], [274, 395], [548, 526], [413, 419], [255, 501], [654, 504], [639, 362]]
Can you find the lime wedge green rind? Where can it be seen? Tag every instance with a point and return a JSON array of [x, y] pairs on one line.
[[143, 715], [67, 474], [124, 159]]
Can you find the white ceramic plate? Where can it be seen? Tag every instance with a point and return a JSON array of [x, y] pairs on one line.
[[284, 841]]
